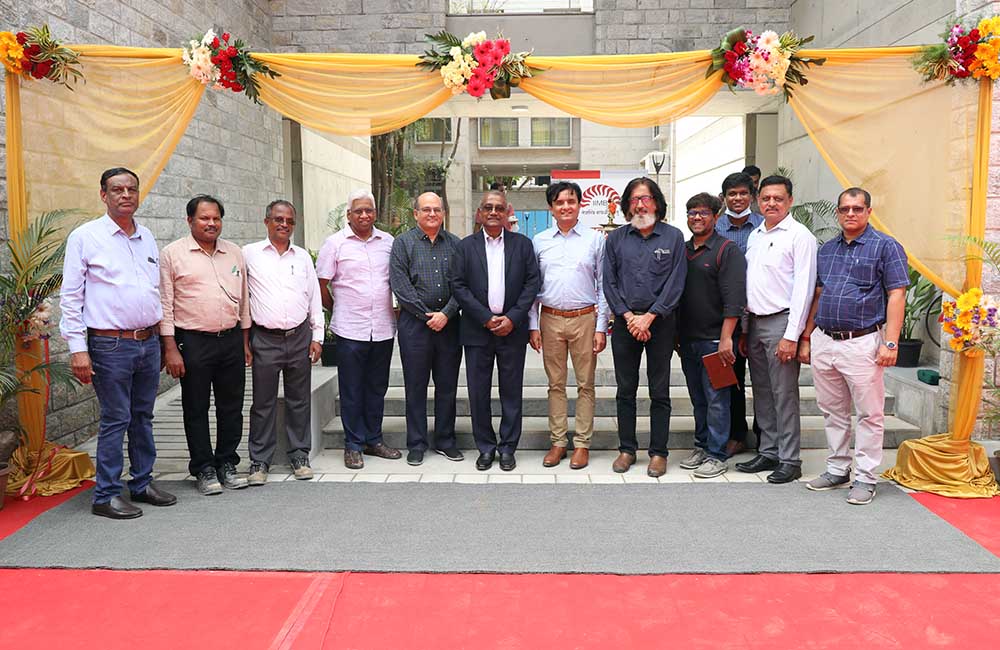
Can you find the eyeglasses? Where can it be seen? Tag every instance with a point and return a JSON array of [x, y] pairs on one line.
[[360, 211], [491, 207], [704, 214], [431, 210], [851, 209], [290, 221], [645, 199]]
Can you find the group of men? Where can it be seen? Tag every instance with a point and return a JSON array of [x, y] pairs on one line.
[[747, 287]]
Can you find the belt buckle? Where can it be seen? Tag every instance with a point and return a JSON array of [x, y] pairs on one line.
[[137, 335], [288, 333], [220, 334]]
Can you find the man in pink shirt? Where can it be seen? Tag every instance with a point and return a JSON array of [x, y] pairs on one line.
[[353, 271]]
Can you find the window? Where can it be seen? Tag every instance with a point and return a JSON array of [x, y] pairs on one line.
[[433, 129], [550, 132], [498, 132]]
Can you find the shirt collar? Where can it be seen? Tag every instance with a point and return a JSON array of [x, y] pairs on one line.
[[268, 244], [753, 219], [657, 229], [499, 238], [709, 243], [113, 228], [376, 233], [784, 224], [195, 246], [866, 236], [576, 229]]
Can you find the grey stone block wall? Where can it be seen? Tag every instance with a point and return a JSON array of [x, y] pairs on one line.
[[650, 26], [232, 148], [372, 26]]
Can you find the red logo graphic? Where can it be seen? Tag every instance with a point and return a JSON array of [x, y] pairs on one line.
[[599, 196]]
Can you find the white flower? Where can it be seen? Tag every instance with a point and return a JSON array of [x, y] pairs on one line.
[[768, 40], [455, 52], [208, 38], [474, 38]]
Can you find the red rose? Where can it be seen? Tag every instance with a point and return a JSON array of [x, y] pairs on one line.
[[237, 88], [215, 43], [32, 51], [225, 36], [42, 69], [974, 34], [740, 48], [731, 56], [22, 38], [231, 51]]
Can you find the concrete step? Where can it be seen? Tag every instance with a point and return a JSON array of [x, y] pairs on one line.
[[535, 432], [535, 401]]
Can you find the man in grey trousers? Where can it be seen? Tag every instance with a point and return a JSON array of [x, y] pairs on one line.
[[286, 339], [781, 277]]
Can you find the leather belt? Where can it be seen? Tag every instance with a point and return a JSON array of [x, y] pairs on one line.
[[572, 313], [777, 313], [137, 335], [218, 335], [277, 332], [848, 335]]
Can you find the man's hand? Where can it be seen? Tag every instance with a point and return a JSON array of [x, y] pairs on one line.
[[315, 351], [175, 362], [247, 355], [535, 340], [501, 325], [436, 320], [885, 356], [787, 350], [79, 363], [742, 346], [600, 342], [726, 351], [639, 325], [805, 350]]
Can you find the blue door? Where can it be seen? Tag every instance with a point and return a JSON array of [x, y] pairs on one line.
[[532, 222]]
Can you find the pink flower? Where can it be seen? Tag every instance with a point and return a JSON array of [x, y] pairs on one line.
[[476, 86], [503, 45]]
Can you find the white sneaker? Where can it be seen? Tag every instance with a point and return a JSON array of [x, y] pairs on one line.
[[711, 468], [694, 459]]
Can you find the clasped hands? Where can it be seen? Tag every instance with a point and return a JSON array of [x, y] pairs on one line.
[[639, 324], [499, 325]]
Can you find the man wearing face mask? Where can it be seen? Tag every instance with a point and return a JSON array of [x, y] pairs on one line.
[[736, 223], [353, 271], [644, 272]]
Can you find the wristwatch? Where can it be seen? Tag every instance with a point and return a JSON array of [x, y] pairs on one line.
[[891, 345]]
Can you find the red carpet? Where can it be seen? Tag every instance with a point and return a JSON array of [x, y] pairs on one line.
[[16, 513], [977, 518], [173, 609]]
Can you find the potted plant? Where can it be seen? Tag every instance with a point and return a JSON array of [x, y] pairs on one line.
[[920, 298]]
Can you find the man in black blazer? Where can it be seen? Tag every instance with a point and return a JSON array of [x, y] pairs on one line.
[[494, 277]]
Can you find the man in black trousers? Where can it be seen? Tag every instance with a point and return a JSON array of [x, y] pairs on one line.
[[495, 278], [427, 327]]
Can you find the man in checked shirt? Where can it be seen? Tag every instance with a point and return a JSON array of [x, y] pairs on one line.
[[850, 338]]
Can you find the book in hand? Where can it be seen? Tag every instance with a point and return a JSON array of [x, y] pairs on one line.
[[720, 375]]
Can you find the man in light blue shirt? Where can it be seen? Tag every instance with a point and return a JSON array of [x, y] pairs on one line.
[[570, 315], [110, 304]]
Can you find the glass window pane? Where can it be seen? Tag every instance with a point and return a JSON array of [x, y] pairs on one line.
[[433, 129], [550, 132], [498, 132]]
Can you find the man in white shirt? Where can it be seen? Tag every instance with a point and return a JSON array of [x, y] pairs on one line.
[[781, 277], [286, 338], [570, 316]]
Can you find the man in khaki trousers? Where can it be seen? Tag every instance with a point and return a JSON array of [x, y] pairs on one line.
[[570, 316]]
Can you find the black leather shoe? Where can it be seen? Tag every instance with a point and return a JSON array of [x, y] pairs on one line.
[[155, 496], [758, 464], [485, 461], [786, 473], [507, 462], [117, 508]]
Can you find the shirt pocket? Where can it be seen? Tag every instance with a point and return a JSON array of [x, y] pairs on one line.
[[861, 273]]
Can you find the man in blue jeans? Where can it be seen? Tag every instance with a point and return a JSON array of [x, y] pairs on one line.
[[713, 300], [110, 304]]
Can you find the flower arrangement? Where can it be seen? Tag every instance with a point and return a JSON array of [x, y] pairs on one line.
[[476, 64], [216, 61], [766, 63], [964, 54], [972, 321], [34, 54]]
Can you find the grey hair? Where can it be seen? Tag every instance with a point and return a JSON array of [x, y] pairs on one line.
[[357, 195], [416, 200]]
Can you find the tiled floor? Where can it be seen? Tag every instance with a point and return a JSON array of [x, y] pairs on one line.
[[329, 467]]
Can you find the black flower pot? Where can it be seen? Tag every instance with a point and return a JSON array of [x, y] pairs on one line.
[[329, 355], [909, 353]]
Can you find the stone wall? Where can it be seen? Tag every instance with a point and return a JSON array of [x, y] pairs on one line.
[[648, 26], [232, 148]]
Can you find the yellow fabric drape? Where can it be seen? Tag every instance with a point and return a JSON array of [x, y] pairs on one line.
[[131, 112], [625, 91], [910, 144], [351, 94]]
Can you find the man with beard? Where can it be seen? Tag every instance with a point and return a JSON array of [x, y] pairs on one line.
[[736, 224], [203, 284], [781, 278], [353, 271], [713, 301], [494, 276], [644, 272]]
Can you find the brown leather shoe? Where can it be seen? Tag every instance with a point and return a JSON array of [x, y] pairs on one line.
[[734, 447], [353, 459], [657, 466], [580, 458], [555, 455], [383, 451], [623, 462]]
